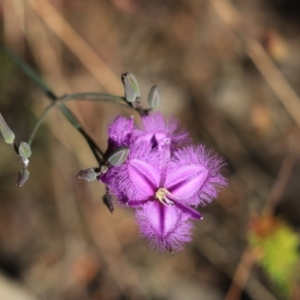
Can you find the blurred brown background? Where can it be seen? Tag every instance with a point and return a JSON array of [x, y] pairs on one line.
[[228, 70]]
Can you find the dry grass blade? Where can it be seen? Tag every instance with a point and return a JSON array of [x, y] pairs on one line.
[[14, 290], [77, 45], [241, 276], [261, 59], [244, 267], [279, 185], [111, 251], [291, 102]]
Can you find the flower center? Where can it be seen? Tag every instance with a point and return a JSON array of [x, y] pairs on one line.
[[161, 196]]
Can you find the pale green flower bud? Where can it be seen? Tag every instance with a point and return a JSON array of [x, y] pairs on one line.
[[6, 132], [154, 97], [118, 156], [24, 150], [88, 175], [132, 90]]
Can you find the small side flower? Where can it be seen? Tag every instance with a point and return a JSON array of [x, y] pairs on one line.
[[120, 131], [158, 131]]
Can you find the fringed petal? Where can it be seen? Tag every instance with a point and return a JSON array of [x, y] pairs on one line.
[[166, 227]]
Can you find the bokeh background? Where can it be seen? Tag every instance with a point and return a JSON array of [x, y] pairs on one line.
[[230, 71]]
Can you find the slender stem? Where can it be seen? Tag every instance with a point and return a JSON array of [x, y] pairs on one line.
[[92, 96], [29, 72], [39, 122], [93, 146], [98, 97], [74, 121], [64, 110]]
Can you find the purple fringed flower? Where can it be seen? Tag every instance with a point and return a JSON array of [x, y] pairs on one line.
[[162, 179], [162, 190]]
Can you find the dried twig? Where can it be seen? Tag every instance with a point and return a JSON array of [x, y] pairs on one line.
[[291, 102], [77, 45], [260, 58]]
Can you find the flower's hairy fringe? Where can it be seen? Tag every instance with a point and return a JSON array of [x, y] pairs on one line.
[[173, 240], [200, 155]]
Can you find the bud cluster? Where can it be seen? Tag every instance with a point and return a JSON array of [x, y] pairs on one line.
[[23, 150]]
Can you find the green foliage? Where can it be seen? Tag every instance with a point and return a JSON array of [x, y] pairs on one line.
[[277, 246]]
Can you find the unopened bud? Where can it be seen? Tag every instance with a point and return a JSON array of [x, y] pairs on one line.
[[107, 199], [88, 175], [118, 156], [132, 90], [6, 132], [22, 177], [24, 150], [154, 97]]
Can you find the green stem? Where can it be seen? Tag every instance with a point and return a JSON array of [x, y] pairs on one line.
[[65, 111], [39, 122], [29, 72], [92, 96], [98, 97], [74, 121]]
